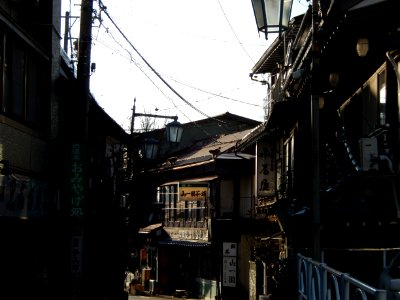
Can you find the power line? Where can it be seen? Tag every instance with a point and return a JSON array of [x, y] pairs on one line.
[[214, 94], [140, 67], [104, 9], [234, 33]]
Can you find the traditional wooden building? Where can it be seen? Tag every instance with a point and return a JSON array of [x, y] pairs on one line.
[[202, 197], [328, 153]]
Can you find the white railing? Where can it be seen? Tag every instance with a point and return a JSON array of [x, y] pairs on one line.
[[317, 281]]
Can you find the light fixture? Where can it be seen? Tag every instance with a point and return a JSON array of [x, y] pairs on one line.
[[272, 16], [150, 148], [174, 131], [362, 47]]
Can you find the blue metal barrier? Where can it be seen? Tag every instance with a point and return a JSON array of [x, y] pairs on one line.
[[317, 281]]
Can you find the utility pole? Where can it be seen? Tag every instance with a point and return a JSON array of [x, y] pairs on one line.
[[77, 193], [66, 32]]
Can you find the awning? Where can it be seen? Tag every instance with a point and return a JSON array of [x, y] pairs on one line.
[[150, 228], [184, 243], [197, 179]]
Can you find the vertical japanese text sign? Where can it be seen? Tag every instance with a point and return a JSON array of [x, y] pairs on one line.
[[229, 253]]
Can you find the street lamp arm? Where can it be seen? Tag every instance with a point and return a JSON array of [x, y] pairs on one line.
[[175, 118]]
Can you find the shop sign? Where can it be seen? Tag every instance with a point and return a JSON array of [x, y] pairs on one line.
[[265, 170], [229, 249], [193, 192], [76, 253], [229, 264], [77, 181]]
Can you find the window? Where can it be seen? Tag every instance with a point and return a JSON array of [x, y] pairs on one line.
[[168, 196], [184, 204], [288, 163], [23, 81]]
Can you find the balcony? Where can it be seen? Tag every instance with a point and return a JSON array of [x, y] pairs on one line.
[[185, 217]]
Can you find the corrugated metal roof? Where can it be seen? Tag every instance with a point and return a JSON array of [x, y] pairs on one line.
[[202, 150]]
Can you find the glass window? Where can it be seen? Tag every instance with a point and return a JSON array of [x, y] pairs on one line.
[[23, 81], [181, 210]]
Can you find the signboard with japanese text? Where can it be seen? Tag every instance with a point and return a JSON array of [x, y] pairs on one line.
[[229, 252], [265, 170], [229, 271], [77, 181], [229, 249], [193, 192]]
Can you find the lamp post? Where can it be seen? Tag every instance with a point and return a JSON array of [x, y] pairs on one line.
[[272, 16], [173, 130]]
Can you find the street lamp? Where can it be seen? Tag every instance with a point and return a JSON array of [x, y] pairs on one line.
[[150, 148], [173, 131], [272, 16]]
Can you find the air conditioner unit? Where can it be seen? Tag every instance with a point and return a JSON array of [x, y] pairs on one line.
[[369, 153]]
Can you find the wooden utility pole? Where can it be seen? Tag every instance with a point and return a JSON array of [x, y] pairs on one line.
[[77, 164], [66, 32]]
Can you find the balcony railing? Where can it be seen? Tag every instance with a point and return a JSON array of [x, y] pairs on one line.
[[195, 217]]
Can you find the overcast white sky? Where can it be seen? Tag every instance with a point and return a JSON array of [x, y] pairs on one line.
[[204, 49]]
